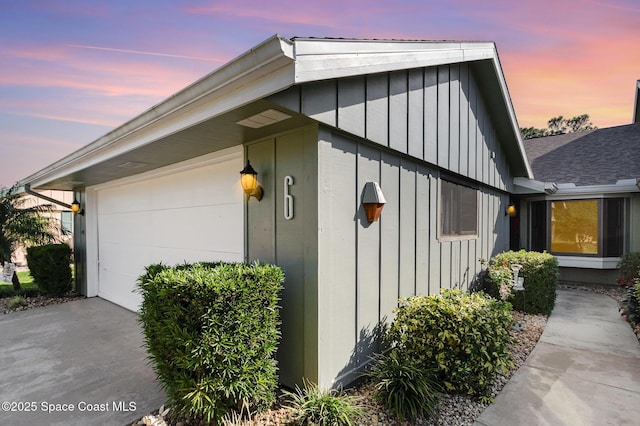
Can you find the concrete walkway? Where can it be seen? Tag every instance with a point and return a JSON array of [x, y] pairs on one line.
[[585, 370], [82, 360]]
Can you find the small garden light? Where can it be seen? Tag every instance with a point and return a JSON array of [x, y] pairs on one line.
[[511, 210], [249, 182]]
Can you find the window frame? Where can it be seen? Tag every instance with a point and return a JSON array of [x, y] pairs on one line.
[[64, 231], [603, 236], [441, 214]]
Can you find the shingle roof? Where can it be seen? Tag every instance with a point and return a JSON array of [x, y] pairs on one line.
[[596, 157]]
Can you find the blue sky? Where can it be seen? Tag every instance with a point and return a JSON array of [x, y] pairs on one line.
[[70, 71]]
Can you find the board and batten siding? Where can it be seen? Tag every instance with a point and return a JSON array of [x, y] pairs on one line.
[[436, 114], [289, 243], [363, 268]]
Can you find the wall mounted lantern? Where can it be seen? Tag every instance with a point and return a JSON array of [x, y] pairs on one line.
[[76, 207], [511, 210], [249, 182], [373, 201]]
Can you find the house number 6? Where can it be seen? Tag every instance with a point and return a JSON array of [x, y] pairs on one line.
[[288, 199]]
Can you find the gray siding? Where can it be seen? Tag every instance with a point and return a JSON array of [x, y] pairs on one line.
[[435, 114], [290, 244], [364, 267]]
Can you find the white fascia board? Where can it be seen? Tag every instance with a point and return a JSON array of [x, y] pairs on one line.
[[524, 185], [512, 114], [620, 187], [321, 59], [260, 72]]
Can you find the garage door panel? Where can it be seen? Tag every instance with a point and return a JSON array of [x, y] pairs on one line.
[[190, 215], [125, 228], [207, 228]]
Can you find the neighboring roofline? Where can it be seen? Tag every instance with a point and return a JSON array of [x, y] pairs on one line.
[[270, 67], [636, 105]]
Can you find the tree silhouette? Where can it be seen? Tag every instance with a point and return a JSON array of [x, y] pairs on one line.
[[559, 126]]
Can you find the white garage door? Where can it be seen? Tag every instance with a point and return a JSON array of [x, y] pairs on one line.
[[187, 212]]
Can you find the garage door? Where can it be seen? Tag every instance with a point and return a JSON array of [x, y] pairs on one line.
[[187, 212]]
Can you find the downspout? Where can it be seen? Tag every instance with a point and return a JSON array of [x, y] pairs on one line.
[[77, 209], [27, 189]]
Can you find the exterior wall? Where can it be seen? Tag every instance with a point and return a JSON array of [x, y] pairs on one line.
[[435, 114], [364, 267], [588, 276], [290, 243], [19, 256], [401, 129]]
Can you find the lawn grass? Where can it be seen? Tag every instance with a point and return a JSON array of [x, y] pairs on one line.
[[26, 282]]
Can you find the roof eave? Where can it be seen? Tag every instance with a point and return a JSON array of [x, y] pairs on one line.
[[234, 78]]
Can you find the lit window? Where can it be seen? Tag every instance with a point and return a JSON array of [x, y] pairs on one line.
[[583, 227], [459, 210], [574, 226]]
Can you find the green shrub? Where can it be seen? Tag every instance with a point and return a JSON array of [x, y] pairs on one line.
[[629, 269], [631, 304], [212, 330], [462, 337], [16, 302], [311, 405], [50, 268], [540, 272], [405, 388]]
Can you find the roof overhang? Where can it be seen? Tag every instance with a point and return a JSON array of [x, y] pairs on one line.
[[531, 186], [182, 126], [204, 117]]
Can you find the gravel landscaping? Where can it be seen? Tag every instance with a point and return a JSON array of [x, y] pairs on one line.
[[36, 302]]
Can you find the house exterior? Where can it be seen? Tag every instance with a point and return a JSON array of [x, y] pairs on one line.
[[592, 215], [430, 122], [62, 217]]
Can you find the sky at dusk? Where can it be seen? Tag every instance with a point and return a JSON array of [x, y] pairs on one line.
[[72, 70]]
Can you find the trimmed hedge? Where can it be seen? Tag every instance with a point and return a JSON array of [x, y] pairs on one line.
[[50, 268], [212, 330], [462, 337], [540, 272]]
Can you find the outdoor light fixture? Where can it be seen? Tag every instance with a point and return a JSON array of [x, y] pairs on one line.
[[76, 208], [510, 210], [249, 182], [373, 201]]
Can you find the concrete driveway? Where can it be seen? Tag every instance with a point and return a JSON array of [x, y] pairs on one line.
[[80, 362]]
